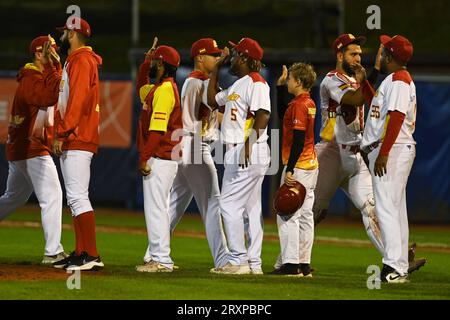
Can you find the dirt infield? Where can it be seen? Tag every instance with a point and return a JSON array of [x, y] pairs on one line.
[[32, 272]]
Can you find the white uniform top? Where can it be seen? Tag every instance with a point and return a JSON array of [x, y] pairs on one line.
[[194, 97], [333, 87], [64, 91], [396, 92], [245, 96]]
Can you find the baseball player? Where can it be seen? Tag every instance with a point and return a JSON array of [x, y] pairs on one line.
[[296, 232], [28, 148], [159, 133], [388, 137], [197, 174], [244, 131], [77, 139], [341, 164]]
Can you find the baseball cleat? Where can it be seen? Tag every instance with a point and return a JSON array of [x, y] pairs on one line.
[[306, 270], [232, 269], [288, 269], [395, 277], [52, 259], [61, 264], [153, 267], [390, 275], [85, 262], [256, 271]]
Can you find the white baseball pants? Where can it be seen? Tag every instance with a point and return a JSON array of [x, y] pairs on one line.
[[339, 167], [241, 193], [37, 174], [197, 177], [297, 233], [76, 171], [156, 188], [390, 204]]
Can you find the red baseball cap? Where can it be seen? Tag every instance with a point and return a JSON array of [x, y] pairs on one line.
[[204, 46], [38, 43], [249, 47], [79, 25], [346, 39], [399, 47], [168, 55]]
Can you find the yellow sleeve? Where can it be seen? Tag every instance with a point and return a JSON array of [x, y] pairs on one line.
[[144, 90], [162, 107]]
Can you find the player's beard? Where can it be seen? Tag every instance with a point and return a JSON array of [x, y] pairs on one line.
[[347, 68], [153, 72], [64, 46], [234, 70], [383, 67]]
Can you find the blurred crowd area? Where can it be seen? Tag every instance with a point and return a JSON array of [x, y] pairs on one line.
[[285, 28]]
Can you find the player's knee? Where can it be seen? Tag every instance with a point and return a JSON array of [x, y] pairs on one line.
[[79, 205], [368, 208]]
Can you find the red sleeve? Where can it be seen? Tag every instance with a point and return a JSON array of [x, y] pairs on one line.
[[368, 91], [44, 92], [142, 77], [395, 124], [80, 83], [150, 146]]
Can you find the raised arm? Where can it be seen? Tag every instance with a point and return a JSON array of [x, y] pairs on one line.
[[142, 77], [213, 86], [283, 96]]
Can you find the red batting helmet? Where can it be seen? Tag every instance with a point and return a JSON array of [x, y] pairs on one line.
[[289, 199]]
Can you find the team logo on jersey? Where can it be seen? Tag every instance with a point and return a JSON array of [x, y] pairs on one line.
[[16, 120], [61, 85], [344, 86], [233, 97], [97, 108]]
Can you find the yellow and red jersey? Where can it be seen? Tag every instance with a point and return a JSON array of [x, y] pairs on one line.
[[30, 131], [300, 115], [78, 116], [160, 124]]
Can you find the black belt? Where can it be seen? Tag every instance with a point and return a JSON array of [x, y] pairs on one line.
[[372, 146], [353, 149]]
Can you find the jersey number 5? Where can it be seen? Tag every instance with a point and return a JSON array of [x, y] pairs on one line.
[[375, 112], [233, 114]]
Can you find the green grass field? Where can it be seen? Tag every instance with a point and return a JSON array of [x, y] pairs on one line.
[[341, 256]]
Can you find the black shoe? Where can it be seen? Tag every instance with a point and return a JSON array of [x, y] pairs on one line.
[[305, 269], [85, 262], [61, 264], [390, 275], [288, 269]]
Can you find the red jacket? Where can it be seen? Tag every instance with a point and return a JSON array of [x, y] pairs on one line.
[[78, 105], [30, 132]]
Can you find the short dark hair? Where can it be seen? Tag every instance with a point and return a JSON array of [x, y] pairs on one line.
[[170, 71], [303, 72]]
